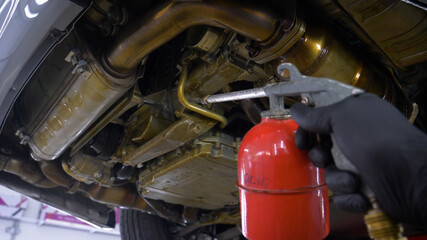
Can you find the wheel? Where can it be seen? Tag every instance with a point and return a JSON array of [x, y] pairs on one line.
[[135, 225]]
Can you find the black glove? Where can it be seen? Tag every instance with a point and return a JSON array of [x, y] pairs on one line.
[[389, 153]]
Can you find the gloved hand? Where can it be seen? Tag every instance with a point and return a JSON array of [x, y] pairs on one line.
[[389, 153]]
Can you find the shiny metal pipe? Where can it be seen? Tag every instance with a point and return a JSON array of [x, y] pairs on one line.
[[234, 96], [173, 17], [193, 107]]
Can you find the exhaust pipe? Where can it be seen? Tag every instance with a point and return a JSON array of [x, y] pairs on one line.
[[170, 19]]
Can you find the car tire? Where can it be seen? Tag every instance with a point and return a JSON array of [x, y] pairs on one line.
[[136, 225]]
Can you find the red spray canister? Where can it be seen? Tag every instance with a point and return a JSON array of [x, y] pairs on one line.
[[282, 195]]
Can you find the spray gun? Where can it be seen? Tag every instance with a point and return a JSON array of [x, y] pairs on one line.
[[282, 195]]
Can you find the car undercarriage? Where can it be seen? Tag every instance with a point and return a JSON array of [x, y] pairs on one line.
[[109, 114]]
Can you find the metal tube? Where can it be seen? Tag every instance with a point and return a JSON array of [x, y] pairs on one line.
[[193, 107], [173, 17], [234, 96]]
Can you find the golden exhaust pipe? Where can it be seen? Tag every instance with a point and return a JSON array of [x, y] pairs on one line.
[[168, 20]]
